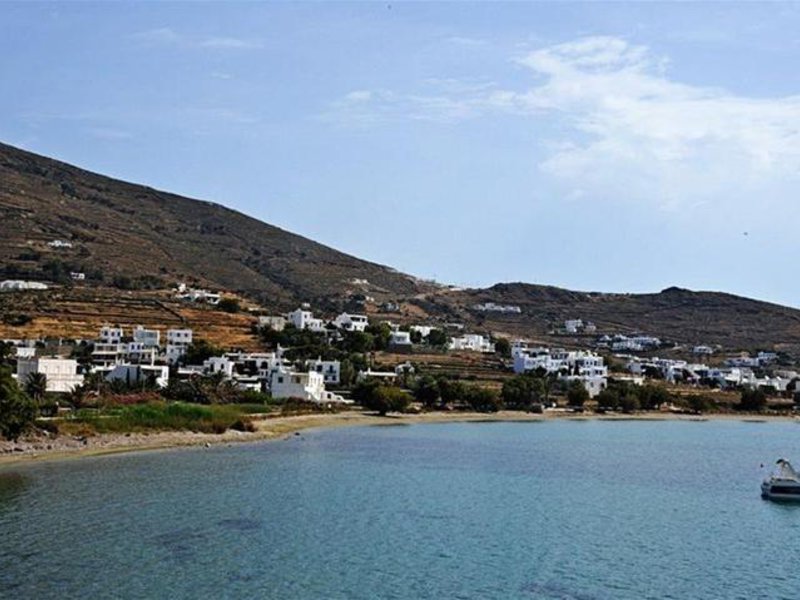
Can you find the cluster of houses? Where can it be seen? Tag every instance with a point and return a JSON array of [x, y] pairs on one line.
[[624, 343], [737, 372], [501, 308], [399, 340], [141, 357], [569, 365]]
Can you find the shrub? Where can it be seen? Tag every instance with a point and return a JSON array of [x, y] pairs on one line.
[[753, 400], [229, 305], [482, 399], [17, 411]]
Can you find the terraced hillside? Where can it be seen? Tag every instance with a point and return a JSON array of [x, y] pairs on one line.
[[78, 313]]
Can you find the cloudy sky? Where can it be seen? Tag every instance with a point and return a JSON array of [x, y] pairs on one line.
[[610, 147]]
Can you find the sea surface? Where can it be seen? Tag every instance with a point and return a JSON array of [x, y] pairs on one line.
[[563, 510]]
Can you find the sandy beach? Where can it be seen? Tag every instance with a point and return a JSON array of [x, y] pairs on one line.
[[44, 447]]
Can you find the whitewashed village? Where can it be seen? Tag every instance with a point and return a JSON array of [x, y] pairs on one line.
[[140, 358]]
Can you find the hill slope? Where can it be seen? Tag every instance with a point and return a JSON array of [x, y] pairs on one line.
[[146, 236], [674, 314], [133, 236]]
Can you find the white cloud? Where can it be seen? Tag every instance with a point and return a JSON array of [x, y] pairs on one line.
[[229, 42], [166, 36], [634, 131], [625, 129]]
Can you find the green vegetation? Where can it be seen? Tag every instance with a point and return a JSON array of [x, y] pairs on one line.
[[17, 410], [199, 351], [503, 347], [753, 400], [577, 395], [373, 395], [163, 416], [229, 305]]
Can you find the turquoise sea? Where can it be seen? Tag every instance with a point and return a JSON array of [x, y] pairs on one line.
[[562, 510]]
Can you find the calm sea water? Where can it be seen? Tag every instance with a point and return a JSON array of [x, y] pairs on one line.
[[562, 510]]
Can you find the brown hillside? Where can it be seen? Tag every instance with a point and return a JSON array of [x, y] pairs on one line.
[[144, 237]]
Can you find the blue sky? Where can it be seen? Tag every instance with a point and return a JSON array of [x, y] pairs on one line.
[[610, 147]]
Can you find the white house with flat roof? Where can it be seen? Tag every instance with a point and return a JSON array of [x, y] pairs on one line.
[[178, 340], [274, 322], [472, 342], [330, 369], [349, 322], [110, 335], [308, 386], [149, 338], [138, 374], [304, 319], [61, 373]]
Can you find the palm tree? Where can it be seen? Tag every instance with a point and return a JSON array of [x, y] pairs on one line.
[[36, 386]]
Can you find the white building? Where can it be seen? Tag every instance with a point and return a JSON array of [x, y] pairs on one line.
[[198, 295], [219, 364], [178, 340], [573, 325], [400, 340], [501, 308], [304, 319], [330, 369], [59, 244], [570, 365], [472, 342], [276, 323], [110, 335], [423, 330], [138, 374], [149, 338], [61, 373], [308, 386], [703, 350], [350, 322], [16, 285]]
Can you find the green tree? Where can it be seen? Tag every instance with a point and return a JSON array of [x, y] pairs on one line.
[[652, 396], [387, 398], [199, 351], [380, 332], [452, 391], [503, 347], [347, 372], [482, 399], [358, 341], [753, 400], [229, 305], [577, 395], [36, 386], [426, 390], [17, 411], [437, 338], [518, 392]]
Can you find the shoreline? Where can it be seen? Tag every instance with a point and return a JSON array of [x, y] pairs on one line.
[[46, 449]]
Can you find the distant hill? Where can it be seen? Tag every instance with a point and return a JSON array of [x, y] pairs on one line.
[[131, 237], [137, 237], [674, 314]]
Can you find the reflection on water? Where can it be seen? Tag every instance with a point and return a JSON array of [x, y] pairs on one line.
[[12, 485]]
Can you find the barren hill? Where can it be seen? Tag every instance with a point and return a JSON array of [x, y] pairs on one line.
[[140, 237], [674, 314]]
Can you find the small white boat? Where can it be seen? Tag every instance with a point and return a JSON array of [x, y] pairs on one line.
[[782, 484]]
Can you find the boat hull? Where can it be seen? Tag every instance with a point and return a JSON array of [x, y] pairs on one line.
[[781, 490]]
